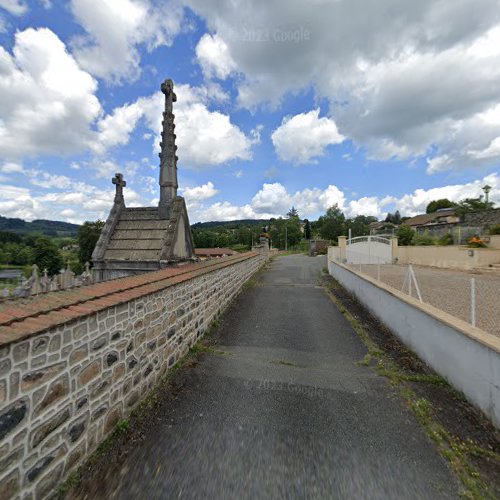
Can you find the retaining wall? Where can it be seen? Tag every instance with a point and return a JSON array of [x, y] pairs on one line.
[[459, 257], [73, 363], [465, 356]]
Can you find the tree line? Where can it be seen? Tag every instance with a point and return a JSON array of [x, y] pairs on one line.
[[288, 231]]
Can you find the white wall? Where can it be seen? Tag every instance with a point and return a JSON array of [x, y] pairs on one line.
[[465, 356]]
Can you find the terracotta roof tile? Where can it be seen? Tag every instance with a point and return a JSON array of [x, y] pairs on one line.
[[28, 317]]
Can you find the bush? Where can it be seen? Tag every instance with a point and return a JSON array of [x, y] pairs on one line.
[[446, 239], [424, 239], [494, 230], [476, 242], [405, 235]]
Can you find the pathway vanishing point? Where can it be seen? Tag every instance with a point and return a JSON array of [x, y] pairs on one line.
[[283, 411]]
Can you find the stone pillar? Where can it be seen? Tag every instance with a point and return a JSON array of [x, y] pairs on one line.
[[168, 157], [343, 248]]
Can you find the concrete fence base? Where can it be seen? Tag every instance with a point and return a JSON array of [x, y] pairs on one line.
[[466, 357]]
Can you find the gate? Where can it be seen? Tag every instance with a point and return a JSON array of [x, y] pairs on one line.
[[369, 250]]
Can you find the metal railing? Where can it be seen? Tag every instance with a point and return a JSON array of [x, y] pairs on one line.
[[474, 298]]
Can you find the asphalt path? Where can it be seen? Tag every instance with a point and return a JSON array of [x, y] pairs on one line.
[[285, 411]]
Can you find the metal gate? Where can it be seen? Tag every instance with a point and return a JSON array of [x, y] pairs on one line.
[[369, 250]]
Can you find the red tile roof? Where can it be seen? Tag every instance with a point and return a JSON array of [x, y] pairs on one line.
[[22, 318]]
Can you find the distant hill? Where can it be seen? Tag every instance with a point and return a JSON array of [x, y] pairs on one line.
[[57, 228], [230, 223], [41, 226]]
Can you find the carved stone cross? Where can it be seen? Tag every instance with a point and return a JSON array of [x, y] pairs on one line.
[[167, 87], [118, 181]]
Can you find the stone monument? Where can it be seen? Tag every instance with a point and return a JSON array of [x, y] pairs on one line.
[[138, 240]]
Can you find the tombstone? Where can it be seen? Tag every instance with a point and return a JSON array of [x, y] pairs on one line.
[[34, 284], [45, 281], [5, 293], [86, 277], [67, 278], [54, 284]]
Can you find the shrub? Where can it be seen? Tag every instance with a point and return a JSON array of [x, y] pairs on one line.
[[423, 239], [405, 235], [495, 229], [446, 239]]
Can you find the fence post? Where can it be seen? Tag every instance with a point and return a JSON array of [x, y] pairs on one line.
[[419, 295], [473, 301]]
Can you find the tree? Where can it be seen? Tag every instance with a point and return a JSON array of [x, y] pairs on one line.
[[46, 255], [436, 205], [307, 229], [394, 218], [88, 234], [285, 233], [405, 235], [293, 212], [332, 224], [360, 225], [473, 205]]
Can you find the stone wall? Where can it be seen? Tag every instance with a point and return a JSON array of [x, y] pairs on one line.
[[68, 374], [483, 219]]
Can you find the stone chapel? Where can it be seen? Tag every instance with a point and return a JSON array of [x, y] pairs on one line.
[[141, 239]]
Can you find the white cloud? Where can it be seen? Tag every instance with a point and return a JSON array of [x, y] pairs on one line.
[[11, 167], [15, 7], [214, 57], [117, 29], [367, 205], [404, 79], [199, 193], [217, 139], [273, 200], [47, 103], [72, 202], [115, 129], [416, 202], [303, 137]]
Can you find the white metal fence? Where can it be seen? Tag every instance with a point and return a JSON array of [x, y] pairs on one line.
[[474, 298]]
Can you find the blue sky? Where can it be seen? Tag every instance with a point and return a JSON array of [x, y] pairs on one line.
[[280, 103]]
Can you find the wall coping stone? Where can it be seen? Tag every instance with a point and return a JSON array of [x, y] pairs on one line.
[[23, 318]]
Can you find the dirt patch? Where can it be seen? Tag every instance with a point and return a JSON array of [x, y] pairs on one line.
[[472, 437]]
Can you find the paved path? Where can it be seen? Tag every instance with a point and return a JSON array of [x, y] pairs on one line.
[[288, 414]]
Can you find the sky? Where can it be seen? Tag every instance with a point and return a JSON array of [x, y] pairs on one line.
[[374, 105]]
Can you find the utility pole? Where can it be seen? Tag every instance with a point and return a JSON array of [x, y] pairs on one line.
[[286, 237]]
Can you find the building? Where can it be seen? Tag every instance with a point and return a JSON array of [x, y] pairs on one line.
[[437, 223], [383, 228], [138, 240]]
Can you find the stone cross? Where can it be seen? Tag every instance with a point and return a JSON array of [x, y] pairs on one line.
[[167, 87], [120, 184]]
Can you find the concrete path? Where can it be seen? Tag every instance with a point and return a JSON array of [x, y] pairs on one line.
[[287, 414]]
